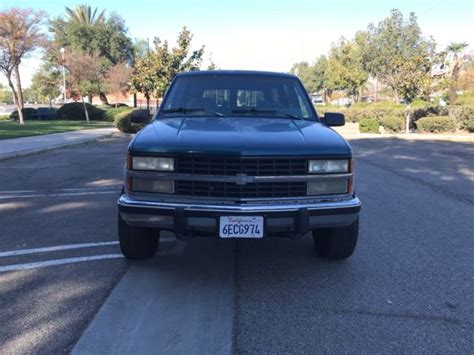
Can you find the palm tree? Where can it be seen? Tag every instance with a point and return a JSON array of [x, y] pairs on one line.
[[455, 48], [84, 15]]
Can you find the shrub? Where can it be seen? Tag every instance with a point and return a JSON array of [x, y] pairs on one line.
[[110, 114], [436, 124], [354, 114], [462, 114], [121, 104], [469, 125], [124, 124], [392, 124], [420, 104], [376, 111], [74, 111], [466, 99], [368, 125], [27, 114], [360, 104], [387, 105]]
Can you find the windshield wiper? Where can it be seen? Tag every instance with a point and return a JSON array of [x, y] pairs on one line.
[[185, 110], [270, 112]]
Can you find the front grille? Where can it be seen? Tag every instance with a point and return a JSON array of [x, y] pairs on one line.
[[232, 190], [248, 166]]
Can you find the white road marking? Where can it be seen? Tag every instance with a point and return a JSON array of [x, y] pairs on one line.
[[32, 166], [78, 191], [59, 194], [40, 264], [54, 248], [60, 190]]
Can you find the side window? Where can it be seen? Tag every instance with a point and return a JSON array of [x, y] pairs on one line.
[[303, 108], [302, 104]]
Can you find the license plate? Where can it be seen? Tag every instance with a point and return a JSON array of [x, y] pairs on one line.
[[241, 227]]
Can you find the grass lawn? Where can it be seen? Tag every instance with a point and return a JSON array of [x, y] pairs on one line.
[[13, 129]]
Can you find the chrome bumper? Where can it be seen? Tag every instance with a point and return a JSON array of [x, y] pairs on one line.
[[186, 219]]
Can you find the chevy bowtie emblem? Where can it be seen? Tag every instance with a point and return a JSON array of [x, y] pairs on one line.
[[243, 179]]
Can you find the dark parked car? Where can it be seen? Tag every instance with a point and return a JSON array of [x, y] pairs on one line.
[[239, 154], [44, 113]]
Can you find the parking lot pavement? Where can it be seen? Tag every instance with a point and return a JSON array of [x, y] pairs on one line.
[[59, 256], [444, 167], [408, 288]]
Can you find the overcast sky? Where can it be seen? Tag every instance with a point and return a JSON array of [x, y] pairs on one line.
[[267, 35]]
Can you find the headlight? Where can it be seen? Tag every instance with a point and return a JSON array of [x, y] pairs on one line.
[[153, 163], [148, 185], [328, 166], [327, 187]]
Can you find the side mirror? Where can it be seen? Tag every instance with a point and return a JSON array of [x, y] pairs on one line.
[[334, 119], [140, 116]]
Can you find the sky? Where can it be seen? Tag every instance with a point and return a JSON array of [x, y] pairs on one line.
[[266, 35]]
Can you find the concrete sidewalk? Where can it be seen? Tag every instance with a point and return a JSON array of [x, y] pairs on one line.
[[20, 146]]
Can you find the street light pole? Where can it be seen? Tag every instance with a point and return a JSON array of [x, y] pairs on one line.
[[64, 76]]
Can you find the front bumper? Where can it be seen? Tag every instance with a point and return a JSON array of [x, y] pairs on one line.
[[187, 219]]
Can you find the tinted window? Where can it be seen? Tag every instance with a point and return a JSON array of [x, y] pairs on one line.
[[233, 94]]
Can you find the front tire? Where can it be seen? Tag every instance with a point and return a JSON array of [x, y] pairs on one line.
[[137, 242], [336, 243]]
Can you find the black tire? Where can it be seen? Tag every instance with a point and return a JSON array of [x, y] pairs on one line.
[[336, 243], [137, 242]]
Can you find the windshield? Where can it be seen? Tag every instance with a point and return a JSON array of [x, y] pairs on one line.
[[237, 95]]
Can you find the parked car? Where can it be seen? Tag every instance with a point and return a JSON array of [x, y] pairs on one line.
[[44, 113], [238, 154]]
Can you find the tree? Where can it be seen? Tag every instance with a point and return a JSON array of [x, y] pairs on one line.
[[84, 75], [84, 15], [306, 73], [320, 72], [455, 49], [154, 72], [117, 80], [20, 34], [86, 30], [396, 52], [212, 65], [345, 70], [5, 94], [46, 82]]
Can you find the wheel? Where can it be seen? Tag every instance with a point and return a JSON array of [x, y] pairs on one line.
[[336, 243], [137, 242]]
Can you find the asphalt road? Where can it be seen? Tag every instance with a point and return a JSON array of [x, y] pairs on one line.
[[408, 288]]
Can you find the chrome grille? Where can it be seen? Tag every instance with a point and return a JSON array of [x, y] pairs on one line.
[[234, 165], [232, 190]]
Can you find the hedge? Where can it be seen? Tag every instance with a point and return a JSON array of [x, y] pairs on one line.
[[368, 125], [464, 115], [392, 124], [469, 125], [466, 99], [436, 124], [74, 111], [27, 114], [111, 113], [374, 111], [124, 124]]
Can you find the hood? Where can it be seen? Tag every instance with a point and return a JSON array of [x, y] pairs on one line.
[[247, 136]]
